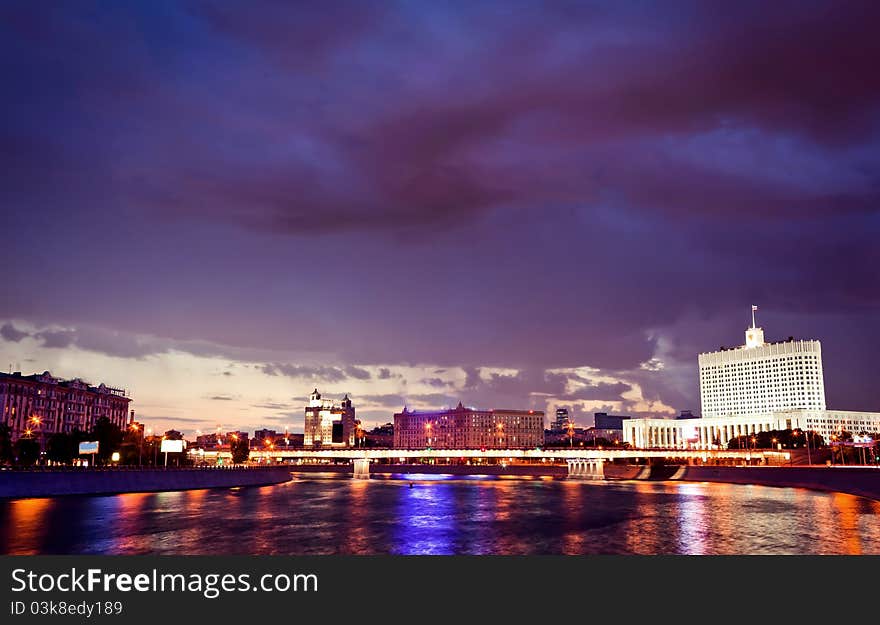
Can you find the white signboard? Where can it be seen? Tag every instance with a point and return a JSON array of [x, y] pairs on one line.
[[88, 447], [171, 447]]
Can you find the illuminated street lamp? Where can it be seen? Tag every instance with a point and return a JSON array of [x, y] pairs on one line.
[[135, 429], [428, 427], [37, 421], [500, 428]]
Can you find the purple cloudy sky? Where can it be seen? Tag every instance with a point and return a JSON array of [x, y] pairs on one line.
[[222, 205]]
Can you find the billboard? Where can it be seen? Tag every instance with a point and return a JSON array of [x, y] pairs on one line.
[[88, 447], [171, 447]]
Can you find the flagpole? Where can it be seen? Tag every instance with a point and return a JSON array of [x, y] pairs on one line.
[[753, 316]]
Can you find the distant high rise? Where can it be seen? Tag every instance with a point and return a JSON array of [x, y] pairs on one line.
[[328, 424], [562, 419], [605, 421]]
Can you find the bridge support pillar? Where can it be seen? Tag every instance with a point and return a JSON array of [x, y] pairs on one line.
[[361, 468], [587, 468]]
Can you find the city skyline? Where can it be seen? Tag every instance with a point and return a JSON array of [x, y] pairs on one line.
[[527, 207]]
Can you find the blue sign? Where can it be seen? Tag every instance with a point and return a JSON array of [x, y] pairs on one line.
[[88, 447]]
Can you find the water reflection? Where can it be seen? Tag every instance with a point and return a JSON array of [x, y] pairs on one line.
[[424, 515], [693, 520], [443, 515]]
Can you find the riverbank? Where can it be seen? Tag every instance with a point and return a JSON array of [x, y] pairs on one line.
[[58, 482]]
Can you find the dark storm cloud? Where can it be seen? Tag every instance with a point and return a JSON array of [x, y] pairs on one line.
[[10, 333], [320, 372], [602, 391], [274, 406], [416, 158], [59, 339], [383, 399], [358, 373], [528, 186], [437, 382]]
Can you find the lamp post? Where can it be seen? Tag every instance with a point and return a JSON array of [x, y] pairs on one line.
[[149, 432], [233, 445], [37, 421], [807, 439], [428, 427], [500, 428], [136, 429]]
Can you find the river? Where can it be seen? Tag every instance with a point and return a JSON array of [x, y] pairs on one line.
[[316, 514]]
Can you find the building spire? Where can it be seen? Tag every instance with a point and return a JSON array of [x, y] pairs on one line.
[[754, 335]]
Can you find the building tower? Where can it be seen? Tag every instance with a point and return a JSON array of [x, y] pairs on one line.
[[762, 378], [328, 424]]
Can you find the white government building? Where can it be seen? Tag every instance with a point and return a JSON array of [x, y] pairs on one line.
[[756, 387]]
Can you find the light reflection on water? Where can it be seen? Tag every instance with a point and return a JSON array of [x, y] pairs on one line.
[[444, 515]]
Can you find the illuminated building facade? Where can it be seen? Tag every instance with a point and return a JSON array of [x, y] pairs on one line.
[[40, 404], [762, 378], [757, 387], [468, 428], [328, 424]]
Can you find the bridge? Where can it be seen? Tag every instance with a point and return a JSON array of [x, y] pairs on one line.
[[581, 462]]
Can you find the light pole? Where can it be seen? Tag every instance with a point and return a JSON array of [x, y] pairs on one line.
[[500, 428], [36, 421], [807, 438], [136, 429]]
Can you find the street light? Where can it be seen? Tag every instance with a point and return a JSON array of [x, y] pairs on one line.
[[135, 428]]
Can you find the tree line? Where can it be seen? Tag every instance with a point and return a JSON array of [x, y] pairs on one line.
[[62, 448]]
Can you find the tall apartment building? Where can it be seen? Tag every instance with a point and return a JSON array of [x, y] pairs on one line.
[[328, 424], [468, 428], [41, 404]]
